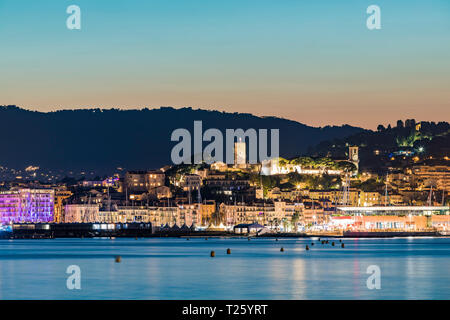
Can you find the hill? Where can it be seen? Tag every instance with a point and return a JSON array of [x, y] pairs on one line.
[[103, 140]]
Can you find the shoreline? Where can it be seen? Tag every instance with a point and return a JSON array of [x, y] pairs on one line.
[[215, 234]]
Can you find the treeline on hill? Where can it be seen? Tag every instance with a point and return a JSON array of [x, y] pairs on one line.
[[420, 138], [318, 163], [315, 182]]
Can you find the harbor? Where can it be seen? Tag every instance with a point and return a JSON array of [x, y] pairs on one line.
[[175, 268]]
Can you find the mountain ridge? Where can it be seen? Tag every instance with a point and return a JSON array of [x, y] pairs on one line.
[[104, 139]]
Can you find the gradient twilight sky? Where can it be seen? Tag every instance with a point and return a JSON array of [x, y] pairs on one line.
[[313, 61]]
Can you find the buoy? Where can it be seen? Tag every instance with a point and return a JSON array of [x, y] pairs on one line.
[[282, 249], [307, 248], [342, 245], [213, 254], [228, 251], [332, 243], [118, 259]]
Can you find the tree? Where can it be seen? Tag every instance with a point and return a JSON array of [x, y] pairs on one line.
[[380, 128], [346, 166], [282, 162], [305, 162], [294, 220], [410, 123]]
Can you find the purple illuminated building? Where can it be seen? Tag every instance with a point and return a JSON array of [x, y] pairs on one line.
[[26, 205]]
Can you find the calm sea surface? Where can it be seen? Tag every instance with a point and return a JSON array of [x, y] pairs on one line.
[[411, 268]]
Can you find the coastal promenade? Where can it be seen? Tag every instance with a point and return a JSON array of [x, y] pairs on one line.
[[146, 230]]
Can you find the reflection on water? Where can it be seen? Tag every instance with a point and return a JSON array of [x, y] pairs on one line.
[[180, 269]]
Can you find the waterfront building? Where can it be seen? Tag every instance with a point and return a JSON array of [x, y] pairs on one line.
[[60, 197], [398, 218], [342, 222], [392, 222], [81, 213], [441, 222], [179, 215], [189, 215], [27, 206], [380, 223], [131, 214], [241, 213], [207, 209], [284, 211], [394, 210], [279, 215]]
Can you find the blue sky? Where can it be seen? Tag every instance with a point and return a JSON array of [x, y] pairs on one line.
[[310, 61]]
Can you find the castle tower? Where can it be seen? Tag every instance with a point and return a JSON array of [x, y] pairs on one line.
[[353, 156]]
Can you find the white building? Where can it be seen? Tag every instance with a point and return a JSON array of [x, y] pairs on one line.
[[81, 213]]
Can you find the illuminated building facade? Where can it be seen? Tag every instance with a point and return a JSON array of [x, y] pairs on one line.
[[143, 181], [60, 198], [81, 213], [27, 205], [437, 176]]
